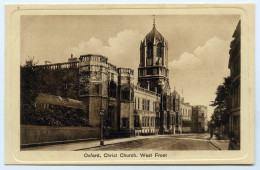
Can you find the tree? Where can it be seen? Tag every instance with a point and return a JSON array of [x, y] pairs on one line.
[[222, 104], [29, 93]]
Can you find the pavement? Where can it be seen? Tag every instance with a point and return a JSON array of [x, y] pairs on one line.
[[220, 144], [153, 142]]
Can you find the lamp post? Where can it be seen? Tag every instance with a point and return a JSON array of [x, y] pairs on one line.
[[101, 127]]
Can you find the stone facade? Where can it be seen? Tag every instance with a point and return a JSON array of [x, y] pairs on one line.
[[235, 70], [147, 111], [99, 85], [177, 110], [186, 114], [199, 122]]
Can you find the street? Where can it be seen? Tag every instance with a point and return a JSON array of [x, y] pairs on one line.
[[158, 142], [181, 142]]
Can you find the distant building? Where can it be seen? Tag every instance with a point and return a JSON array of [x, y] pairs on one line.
[[186, 114], [177, 110], [235, 70], [199, 122], [147, 111]]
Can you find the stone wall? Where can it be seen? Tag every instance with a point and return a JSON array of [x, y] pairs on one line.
[[48, 134]]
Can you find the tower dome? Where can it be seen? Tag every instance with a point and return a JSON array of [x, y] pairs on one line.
[[154, 36], [154, 49]]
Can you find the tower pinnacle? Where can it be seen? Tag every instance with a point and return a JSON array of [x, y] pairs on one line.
[[154, 20]]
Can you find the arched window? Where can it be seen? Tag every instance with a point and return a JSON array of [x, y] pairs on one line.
[[159, 50], [150, 50], [149, 59]]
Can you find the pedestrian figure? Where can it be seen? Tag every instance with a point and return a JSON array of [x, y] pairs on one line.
[[211, 132]]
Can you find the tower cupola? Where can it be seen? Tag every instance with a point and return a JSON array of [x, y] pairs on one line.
[[153, 68], [154, 49]]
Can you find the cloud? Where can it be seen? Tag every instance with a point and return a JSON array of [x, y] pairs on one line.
[[186, 61], [199, 73], [122, 50]]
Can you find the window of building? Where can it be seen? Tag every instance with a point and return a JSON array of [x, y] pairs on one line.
[[96, 89], [112, 89], [164, 102], [168, 119], [112, 77], [125, 95], [149, 60], [125, 122], [150, 50], [138, 103], [165, 119], [159, 50], [131, 95], [135, 103], [150, 71], [141, 73], [136, 121], [148, 105]]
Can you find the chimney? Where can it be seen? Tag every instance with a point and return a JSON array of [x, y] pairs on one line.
[[71, 59]]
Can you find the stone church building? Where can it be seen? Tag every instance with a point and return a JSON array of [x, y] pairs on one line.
[[90, 80]]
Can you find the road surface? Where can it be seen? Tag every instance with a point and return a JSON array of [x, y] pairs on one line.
[[187, 142], [159, 142]]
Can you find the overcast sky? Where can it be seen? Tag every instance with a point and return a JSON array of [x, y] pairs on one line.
[[198, 45]]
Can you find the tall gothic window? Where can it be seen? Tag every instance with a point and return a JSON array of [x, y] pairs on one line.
[[159, 50], [149, 54]]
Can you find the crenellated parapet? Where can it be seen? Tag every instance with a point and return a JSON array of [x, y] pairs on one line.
[[89, 58], [146, 91], [125, 72]]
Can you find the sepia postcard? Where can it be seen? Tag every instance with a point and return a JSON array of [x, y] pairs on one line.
[[129, 84]]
